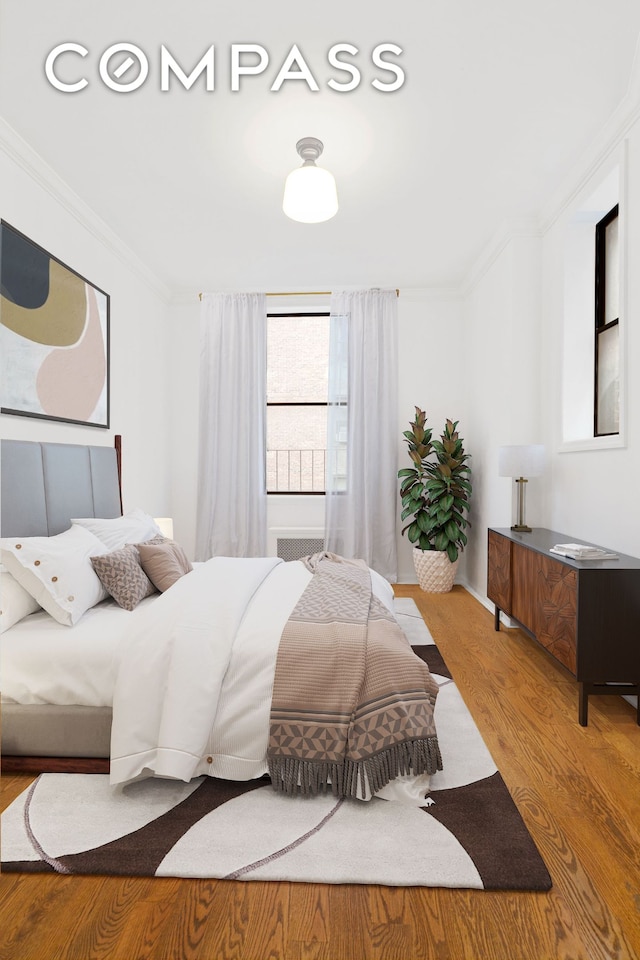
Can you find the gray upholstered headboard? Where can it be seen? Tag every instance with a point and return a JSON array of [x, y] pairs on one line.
[[44, 485]]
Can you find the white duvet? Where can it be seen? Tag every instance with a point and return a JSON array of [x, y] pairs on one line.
[[193, 691], [189, 673], [46, 662]]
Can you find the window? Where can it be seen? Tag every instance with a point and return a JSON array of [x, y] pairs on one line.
[[607, 315], [593, 360], [297, 394]]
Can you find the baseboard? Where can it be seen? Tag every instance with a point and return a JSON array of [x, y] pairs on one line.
[[488, 604]]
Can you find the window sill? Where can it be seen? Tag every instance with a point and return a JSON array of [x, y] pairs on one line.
[[593, 443]]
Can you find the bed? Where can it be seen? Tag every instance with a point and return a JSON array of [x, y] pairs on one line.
[[91, 686], [43, 486]]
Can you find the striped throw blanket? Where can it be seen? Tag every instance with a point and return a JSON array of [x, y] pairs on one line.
[[352, 704]]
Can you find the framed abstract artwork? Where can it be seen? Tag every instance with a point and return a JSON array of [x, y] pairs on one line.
[[54, 337]]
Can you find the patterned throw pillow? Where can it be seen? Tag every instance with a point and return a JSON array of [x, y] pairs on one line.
[[122, 576]]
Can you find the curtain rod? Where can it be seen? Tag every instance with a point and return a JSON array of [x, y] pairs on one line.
[[306, 293]]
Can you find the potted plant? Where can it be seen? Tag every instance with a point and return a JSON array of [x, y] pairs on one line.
[[435, 493]]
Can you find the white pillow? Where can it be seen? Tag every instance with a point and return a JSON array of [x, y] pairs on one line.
[[15, 602], [57, 571], [134, 527]]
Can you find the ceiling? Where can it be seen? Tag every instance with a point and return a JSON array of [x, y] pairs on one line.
[[500, 101]]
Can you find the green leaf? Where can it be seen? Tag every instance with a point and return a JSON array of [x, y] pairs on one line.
[[435, 487], [423, 521], [452, 552], [442, 541], [413, 532], [451, 531]]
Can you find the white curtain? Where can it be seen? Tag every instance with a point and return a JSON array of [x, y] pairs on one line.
[[362, 442], [231, 515]]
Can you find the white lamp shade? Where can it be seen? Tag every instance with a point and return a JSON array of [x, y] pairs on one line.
[[310, 194], [526, 460], [166, 526]]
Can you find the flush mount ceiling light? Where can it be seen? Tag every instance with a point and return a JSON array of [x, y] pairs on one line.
[[310, 194]]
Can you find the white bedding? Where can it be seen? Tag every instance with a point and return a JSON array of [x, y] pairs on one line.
[[48, 662], [114, 657], [42, 661], [194, 685]]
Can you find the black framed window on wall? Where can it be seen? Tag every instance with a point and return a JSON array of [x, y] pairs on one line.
[[607, 327], [297, 399]]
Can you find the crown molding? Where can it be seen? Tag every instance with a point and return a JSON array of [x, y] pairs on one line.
[[608, 140], [25, 157], [571, 187], [513, 228]]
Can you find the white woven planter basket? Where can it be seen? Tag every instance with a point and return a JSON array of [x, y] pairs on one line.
[[435, 571]]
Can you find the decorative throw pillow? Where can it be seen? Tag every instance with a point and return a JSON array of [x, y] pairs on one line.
[[122, 576], [117, 531], [163, 563], [57, 571], [15, 602]]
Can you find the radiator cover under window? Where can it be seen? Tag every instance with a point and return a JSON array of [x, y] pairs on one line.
[[292, 548]]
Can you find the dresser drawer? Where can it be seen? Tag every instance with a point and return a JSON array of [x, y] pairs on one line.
[[499, 571], [556, 609]]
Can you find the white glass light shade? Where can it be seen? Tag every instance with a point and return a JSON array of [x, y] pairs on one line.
[[166, 526], [526, 460], [310, 194]]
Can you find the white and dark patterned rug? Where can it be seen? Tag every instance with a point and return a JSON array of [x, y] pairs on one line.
[[468, 833]]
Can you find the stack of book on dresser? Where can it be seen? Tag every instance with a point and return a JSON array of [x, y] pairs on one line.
[[581, 551]]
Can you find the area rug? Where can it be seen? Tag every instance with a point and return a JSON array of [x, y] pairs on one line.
[[466, 833]]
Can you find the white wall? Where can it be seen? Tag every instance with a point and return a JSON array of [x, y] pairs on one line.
[[501, 360], [183, 384], [591, 492], [431, 376], [36, 202], [514, 329]]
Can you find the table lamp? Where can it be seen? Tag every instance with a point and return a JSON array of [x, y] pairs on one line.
[[521, 462], [166, 526]]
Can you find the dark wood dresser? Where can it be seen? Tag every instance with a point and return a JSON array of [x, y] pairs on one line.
[[585, 613]]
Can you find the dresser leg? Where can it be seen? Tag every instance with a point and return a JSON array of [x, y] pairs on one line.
[[583, 705], [496, 621]]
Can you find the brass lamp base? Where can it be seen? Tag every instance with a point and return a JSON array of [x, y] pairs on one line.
[[521, 523]]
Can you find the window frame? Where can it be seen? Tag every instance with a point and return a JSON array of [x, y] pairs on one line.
[[600, 296], [287, 403], [599, 192]]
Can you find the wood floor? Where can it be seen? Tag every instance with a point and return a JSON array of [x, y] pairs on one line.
[[578, 790]]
